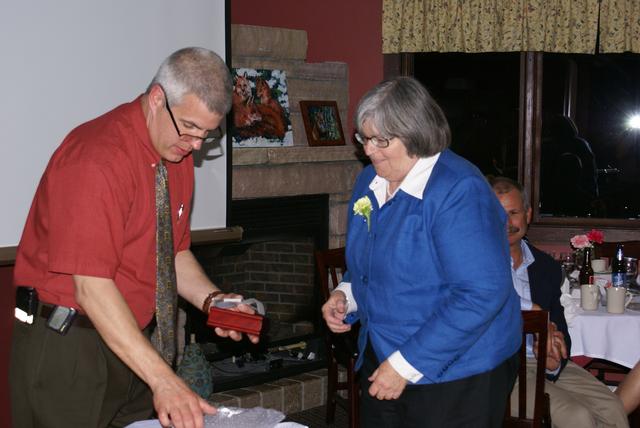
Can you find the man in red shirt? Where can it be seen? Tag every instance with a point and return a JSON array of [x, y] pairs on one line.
[[89, 243]]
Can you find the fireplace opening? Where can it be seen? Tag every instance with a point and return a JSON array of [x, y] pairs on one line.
[[274, 262]]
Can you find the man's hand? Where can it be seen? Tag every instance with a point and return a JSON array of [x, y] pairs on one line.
[[194, 286], [175, 403], [386, 383], [556, 347], [334, 311], [233, 334], [178, 406]]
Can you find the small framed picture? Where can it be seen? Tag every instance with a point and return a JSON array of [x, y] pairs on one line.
[[322, 123]]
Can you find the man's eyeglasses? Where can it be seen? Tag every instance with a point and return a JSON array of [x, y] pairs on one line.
[[211, 136], [376, 141]]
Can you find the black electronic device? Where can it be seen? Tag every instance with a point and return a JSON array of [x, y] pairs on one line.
[[61, 318], [26, 304]]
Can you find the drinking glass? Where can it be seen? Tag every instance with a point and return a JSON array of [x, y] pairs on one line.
[[631, 268], [568, 265]]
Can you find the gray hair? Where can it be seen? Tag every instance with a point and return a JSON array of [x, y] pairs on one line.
[[502, 185], [402, 107], [196, 71]]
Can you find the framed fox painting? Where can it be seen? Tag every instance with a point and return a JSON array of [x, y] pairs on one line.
[[260, 108]]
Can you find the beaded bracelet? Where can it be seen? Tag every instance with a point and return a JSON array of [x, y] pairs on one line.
[[206, 305]]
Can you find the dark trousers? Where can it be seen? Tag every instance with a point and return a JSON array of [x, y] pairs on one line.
[[477, 401], [71, 381]]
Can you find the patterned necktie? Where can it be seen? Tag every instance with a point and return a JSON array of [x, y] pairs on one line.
[[163, 337]]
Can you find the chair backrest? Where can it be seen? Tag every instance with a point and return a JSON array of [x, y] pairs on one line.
[[342, 349], [608, 249], [534, 322], [331, 266]]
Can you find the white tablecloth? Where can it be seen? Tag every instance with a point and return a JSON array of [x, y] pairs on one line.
[[613, 337]]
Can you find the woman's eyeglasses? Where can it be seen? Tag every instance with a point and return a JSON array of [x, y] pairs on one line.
[[379, 142]]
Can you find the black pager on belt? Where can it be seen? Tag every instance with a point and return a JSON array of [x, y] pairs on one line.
[[61, 318], [26, 304]]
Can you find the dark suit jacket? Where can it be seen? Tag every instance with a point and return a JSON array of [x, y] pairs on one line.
[[545, 279]]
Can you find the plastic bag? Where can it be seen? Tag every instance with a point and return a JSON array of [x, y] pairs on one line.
[[235, 417]]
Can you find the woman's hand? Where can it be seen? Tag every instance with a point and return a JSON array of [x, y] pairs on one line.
[[334, 311], [386, 383]]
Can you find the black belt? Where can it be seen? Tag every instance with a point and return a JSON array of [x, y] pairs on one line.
[[80, 320]]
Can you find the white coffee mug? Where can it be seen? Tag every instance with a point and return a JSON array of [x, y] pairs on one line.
[[589, 296], [617, 299], [599, 265]]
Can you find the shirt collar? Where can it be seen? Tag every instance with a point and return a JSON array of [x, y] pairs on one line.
[[527, 256], [413, 184]]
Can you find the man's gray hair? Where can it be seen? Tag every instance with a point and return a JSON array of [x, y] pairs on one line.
[[502, 185], [402, 107], [196, 71]]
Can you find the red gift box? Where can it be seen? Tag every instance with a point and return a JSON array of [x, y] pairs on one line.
[[234, 320]]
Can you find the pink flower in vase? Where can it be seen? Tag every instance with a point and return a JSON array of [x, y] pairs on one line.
[[580, 241]]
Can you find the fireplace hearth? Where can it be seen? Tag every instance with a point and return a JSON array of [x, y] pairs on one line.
[[274, 263]]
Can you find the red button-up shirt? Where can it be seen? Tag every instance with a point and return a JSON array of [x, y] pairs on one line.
[[94, 213]]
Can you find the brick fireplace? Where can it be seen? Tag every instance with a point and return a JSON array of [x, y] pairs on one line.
[[289, 202], [274, 260]]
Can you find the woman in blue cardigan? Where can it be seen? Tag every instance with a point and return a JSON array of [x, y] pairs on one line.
[[428, 273]]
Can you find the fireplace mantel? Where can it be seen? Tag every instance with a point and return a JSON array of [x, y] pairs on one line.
[[299, 170], [295, 154]]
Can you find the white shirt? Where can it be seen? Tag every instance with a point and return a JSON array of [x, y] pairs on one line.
[[520, 277], [413, 184]]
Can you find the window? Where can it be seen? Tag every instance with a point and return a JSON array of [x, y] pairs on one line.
[[589, 148], [479, 94], [576, 147]]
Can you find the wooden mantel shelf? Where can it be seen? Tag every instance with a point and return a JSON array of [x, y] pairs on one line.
[[8, 256], [297, 154], [198, 237]]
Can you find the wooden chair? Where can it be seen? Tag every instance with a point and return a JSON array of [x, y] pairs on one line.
[[534, 322], [341, 348]]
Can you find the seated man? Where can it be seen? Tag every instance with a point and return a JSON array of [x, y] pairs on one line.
[[577, 398]]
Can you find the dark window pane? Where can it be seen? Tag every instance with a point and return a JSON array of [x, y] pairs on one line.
[[479, 96], [590, 154]]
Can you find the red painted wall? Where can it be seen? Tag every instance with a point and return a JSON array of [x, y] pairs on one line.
[[7, 302], [337, 30]]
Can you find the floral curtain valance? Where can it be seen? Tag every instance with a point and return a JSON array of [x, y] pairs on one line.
[[510, 25], [619, 26]]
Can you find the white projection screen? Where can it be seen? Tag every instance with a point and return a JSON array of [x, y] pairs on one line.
[[68, 61]]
